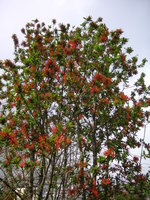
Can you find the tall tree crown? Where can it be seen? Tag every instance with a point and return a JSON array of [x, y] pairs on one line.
[[67, 124]]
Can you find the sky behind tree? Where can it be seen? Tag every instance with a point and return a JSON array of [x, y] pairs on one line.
[[132, 16]]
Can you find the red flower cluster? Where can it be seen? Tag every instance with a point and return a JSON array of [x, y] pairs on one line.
[[22, 164], [94, 89], [98, 76], [13, 139], [3, 134], [135, 159], [105, 80], [72, 44], [61, 141], [106, 100], [105, 181], [109, 152], [95, 192], [140, 178], [54, 129], [13, 104], [103, 39], [124, 97]]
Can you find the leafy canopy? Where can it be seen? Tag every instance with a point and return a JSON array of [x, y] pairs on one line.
[[67, 123]]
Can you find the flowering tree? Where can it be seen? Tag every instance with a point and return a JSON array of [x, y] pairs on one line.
[[67, 124]]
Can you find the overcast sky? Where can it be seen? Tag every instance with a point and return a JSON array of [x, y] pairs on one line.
[[131, 15]]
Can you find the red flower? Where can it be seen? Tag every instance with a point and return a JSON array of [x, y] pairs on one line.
[[105, 181], [13, 139], [67, 141], [72, 44], [3, 134], [69, 192], [27, 146], [17, 99], [123, 58], [135, 159], [33, 114], [54, 129], [103, 38], [106, 101], [11, 122], [98, 76], [113, 154], [94, 182], [84, 186], [6, 162], [124, 97], [58, 141], [107, 152], [47, 94], [107, 81], [95, 193], [94, 89], [13, 104], [69, 169], [23, 128], [22, 164]]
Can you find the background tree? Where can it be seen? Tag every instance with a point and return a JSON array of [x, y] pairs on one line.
[[67, 124]]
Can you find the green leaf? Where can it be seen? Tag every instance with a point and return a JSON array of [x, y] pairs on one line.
[[124, 155], [101, 159]]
